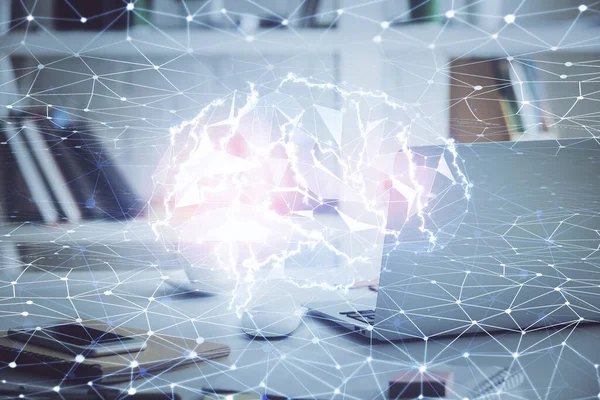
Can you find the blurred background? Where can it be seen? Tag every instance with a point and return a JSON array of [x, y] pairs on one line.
[[105, 81]]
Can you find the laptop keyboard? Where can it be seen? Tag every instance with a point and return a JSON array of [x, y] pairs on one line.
[[365, 316]]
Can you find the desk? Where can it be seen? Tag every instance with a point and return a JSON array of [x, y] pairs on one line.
[[554, 370]]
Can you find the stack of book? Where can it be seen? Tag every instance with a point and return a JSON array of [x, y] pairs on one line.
[[497, 100], [55, 173]]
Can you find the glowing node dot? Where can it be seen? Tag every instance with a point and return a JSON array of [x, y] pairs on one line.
[[134, 364], [83, 20], [56, 389], [131, 391], [193, 354], [579, 97], [128, 38], [123, 98], [554, 48], [515, 355], [384, 24], [466, 355], [25, 313], [285, 22], [156, 67], [199, 340], [9, 106], [340, 11], [189, 18], [249, 38], [315, 340], [431, 46], [336, 391], [508, 311], [224, 10], [509, 19], [495, 36], [79, 358], [422, 368], [30, 18], [568, 64], [233, 367], [377, 39], [582, 8], [130, 6], [450, 14], [29, 302]]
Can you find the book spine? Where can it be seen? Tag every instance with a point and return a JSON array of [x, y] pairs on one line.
[[31, 175], [508, 97], [52, 173]]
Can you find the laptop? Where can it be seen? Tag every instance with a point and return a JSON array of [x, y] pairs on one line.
[[518, 251]]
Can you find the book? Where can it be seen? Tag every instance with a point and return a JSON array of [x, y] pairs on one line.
[[95, 181], [510, 105], [538, 93], [143, 13], [532, 124], [90, 15], [26, 167], [475, 110], [162, 353], [422, 11], [52, 173]]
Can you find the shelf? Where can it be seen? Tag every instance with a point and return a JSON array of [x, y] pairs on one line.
[[515, 40], [452, 40], [157, 43]]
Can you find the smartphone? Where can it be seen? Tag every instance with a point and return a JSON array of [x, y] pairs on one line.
[[78, 339]]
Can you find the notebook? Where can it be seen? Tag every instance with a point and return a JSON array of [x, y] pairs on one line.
[[162, 352]]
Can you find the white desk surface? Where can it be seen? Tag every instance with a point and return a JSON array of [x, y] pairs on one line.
[[558, 364]]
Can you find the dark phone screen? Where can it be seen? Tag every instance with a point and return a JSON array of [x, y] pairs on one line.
[[78, 335]]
